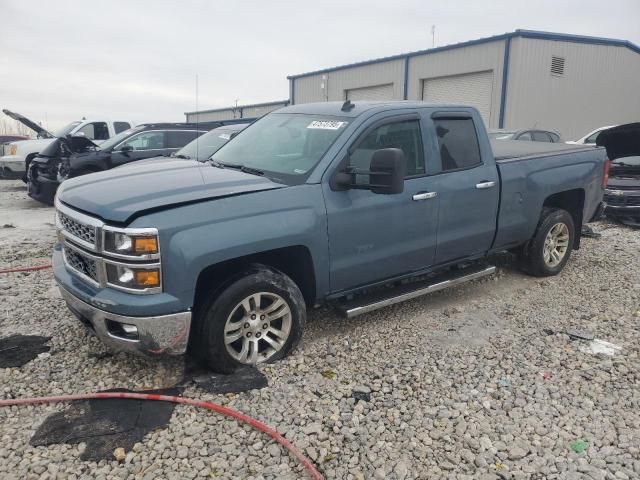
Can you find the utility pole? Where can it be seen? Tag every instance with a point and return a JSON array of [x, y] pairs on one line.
[[433, 36]]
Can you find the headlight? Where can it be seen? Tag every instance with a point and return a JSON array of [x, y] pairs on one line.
[[132, 277], [134, 243], [13, 149]]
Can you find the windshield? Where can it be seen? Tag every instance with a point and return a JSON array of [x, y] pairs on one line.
[[66, 129], [113, 141], [286, 147], [626, 162], [203, 147], [501, 135]]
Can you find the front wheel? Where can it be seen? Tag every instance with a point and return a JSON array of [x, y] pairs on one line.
[[257, 318], [548, 251]]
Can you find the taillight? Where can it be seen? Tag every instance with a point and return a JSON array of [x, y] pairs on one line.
[[605, 173]]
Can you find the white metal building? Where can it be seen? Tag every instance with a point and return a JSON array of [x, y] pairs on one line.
[[241, 111], [522, 79]]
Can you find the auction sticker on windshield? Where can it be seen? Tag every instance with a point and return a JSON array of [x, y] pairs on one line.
[[326, 125]]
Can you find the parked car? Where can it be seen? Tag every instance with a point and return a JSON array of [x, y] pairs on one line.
[[5, 140], [359, 205], [591, 137], [531, 135], [622, 195], [16, 163], [203, 147], [72, 156]]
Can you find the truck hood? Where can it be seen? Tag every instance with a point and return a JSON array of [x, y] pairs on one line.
[[120, 194], [42, 133], [621, 141]]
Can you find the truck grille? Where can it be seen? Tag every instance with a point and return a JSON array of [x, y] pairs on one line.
[[86, 233], [623, 200], [81, 264]]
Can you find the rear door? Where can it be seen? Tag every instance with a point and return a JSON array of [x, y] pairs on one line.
[[468, 187]]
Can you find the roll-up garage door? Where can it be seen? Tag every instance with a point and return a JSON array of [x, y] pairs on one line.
[[379, 92], [468, 89]]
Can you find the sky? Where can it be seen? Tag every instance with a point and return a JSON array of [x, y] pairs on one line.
[[63, 60]]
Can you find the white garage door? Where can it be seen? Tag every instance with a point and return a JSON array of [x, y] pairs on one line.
[[468, 89], [379, 92]]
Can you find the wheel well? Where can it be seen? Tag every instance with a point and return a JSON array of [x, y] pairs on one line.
[[294, 261], [573, 202]]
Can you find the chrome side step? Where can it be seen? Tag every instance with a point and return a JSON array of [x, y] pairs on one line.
[[369, 303]]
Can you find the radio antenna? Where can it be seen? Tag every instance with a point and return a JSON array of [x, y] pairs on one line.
[[197, 121]]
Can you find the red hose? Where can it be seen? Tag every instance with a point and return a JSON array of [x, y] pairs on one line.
[[25, 269], [306, 463]]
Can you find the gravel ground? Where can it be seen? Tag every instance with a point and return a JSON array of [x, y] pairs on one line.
[[480, 381]]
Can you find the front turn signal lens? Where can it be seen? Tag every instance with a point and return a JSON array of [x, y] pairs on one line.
[[147, 278], [143, 245]]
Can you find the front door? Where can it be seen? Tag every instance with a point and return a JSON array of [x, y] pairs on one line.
[[372, 236], [147, 144]]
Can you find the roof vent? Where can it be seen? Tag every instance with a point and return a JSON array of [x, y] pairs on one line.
[[557, 65]]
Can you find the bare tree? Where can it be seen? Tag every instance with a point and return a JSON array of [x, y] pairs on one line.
[[13, 127]]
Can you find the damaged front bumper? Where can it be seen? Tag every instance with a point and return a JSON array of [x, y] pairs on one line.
[[623, 205], [40, 184], [150, 334]]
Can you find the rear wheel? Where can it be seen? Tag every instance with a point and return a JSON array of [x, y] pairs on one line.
[[259, 317], [548, 251]]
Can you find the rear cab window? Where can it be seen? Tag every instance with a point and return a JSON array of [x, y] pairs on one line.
[[457, 143]]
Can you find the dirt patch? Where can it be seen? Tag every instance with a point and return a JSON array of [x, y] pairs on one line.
[[16, 350], [104, 425]]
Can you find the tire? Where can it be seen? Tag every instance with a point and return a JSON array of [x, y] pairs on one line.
[[257, 285], [548, 251]]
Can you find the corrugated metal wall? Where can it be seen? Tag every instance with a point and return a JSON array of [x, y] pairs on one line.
[[211, 116], [487, 57], [244, 111], [599, 86], [338, 82], [260, 110]]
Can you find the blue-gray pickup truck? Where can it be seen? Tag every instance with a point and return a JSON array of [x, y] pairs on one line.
[[359, 205]]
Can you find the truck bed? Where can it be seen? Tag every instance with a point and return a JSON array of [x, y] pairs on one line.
[[511, 150], [532, 171]]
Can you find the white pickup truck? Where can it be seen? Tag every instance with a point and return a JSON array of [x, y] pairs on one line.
[[20, 153]]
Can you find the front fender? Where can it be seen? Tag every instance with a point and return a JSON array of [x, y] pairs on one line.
[[194, 237]]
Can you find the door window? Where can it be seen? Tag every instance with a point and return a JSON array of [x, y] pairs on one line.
[[145, 141], [593, 137], [458, 143], [121, 126], [404, 135], [541, 137], [95, 131], [178, 139]]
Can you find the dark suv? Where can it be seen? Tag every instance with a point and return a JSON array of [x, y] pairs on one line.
[[69, 157]]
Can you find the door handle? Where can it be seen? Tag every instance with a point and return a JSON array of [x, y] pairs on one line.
[[483, 185], [425, 196]]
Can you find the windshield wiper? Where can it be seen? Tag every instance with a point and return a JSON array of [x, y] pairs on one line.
[[186, 157], [237, 166]]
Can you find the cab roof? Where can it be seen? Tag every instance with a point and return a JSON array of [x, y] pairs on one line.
[[335, 108]]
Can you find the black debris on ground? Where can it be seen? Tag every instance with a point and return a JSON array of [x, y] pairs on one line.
[[580, 334], [242, 380], [361, 396], [589, 232], [16, 350], [106, 424]]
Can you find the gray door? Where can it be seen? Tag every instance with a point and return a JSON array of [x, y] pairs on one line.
[[374, 236], [473, 89], [377, 92], [468, 189]]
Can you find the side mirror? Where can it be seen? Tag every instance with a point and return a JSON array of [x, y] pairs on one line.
[[126, 149], [79, 134], [386, 173]]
